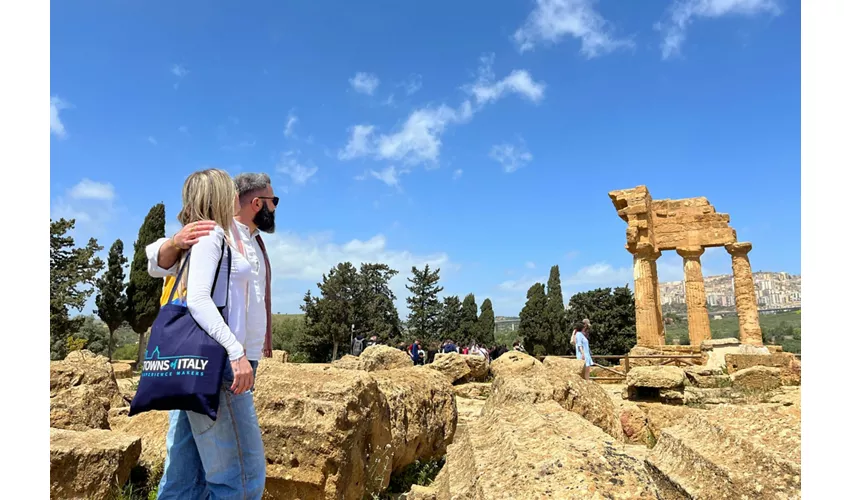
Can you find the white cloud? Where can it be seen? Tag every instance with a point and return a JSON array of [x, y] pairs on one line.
[[152, 140], [365, 83], [552, 20], [299, 262], [418, 141], [600, 274], [179, 70], [682, 13], [57, 128], [519, 82], [290, 166], [457, 174], [413, 85], [90, 190], [359, 144], [511, 157], [88, 202], [530, 265], [291, 120], [388, 176]]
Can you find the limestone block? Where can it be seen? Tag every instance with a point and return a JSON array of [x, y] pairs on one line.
[[757, 378], [90, 465]]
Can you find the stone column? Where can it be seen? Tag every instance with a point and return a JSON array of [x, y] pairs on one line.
[[648, 326], [698, 326], [745, 294]]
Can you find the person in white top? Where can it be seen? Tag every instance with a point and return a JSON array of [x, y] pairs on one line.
[[256, 214], [219, 458]]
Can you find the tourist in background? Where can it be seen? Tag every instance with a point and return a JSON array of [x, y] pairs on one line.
[[583, 347]]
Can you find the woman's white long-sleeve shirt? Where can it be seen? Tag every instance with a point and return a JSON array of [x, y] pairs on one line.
[[203, 304]]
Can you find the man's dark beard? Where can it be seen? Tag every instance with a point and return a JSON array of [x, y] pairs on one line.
[[264, 220]]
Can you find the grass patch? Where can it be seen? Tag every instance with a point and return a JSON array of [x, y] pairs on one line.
[[420, 472]]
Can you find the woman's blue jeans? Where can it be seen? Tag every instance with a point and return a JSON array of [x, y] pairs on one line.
[[218, 459]]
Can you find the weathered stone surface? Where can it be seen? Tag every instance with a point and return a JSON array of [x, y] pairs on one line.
[[757, 378], [473, 390], [647, 298], [660, 416], [634, 423], [280, 356], [452, 366], [122, 370], [468, 410], [513, 363], [698, 325], [479, 368], [84, 368], [644, 351], [423, 415], [656, 377], [151, 427], [79, 408], [787, 362], [706, 377], [89, 465], [327, 432], [575, 394], [127, 387], [710, 344], [537, 451], [347, 362], [383, 357], [730, 452], [745, 294], [567, 364], [82, 389], [713, 395]]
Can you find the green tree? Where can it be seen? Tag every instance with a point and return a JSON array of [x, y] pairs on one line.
[[423, 303], [111, 301], [95, 334], [375, 311], [487, 324], [72, 274], [451, 314], [330, 318], [612, 319], [532, 321], [143, 290], [468, 319], [556, 319]]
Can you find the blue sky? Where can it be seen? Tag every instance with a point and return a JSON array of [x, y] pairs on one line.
[[481, 137]]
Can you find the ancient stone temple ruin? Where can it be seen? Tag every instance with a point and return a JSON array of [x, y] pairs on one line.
[[688, 226]]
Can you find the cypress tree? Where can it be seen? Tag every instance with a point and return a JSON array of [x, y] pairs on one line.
[[423, 303], [469, 319], [487, 324], [111, 301], [451, 315], [556, 318], [143, 290], [532, 321]]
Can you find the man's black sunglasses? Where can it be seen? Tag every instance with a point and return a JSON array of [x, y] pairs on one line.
[[274, 199]]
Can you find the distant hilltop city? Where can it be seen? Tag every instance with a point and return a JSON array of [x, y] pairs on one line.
[[773, 290]]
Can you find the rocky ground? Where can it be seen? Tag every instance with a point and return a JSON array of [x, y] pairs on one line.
[[516, 429]]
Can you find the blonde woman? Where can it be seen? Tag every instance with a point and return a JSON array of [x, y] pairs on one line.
[[222, 458]]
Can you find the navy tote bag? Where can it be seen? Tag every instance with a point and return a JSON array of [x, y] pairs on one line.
[[183, 365]]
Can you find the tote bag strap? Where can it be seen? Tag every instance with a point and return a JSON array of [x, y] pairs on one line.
[[215, 278]]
